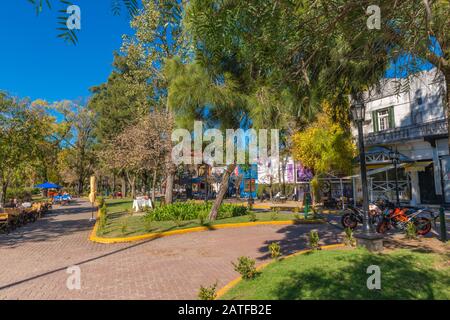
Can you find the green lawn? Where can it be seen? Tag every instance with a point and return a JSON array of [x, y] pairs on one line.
[[121, 223], [341, 274]]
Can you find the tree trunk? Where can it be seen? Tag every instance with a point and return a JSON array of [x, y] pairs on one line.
[[169, 183], [154, 186], [283, 168], [113, 184], [132, 181], [270, 187], [3, 189], [80, 186], [222, 190], [124, 186]]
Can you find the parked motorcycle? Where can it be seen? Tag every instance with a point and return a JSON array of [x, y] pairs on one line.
[[353, 216], [399, 218]]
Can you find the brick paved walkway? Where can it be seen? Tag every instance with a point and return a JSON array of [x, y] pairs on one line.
[[34, 258]]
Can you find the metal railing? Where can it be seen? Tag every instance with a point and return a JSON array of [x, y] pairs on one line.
[[416, 131]]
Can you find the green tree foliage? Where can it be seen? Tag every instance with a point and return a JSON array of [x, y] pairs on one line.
[[25, 133]]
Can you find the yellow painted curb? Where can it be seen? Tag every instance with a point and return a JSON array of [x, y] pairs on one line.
[[93, 236], [234, 282]]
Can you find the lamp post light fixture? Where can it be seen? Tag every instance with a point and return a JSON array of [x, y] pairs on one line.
[[368, 238], [395, 157]]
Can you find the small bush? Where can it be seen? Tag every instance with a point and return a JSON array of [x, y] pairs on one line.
[[411, 231], [297, 216], [124, 225], [314, 240], [102, 216], [148, 223], [246, 267], [349, 240], [100, 202], [252, 216], [208, 293], [274, 215], [21, 194], [275, 250], [202, 216]]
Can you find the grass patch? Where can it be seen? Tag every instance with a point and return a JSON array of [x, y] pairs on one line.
[[341, 274], [120, 209]]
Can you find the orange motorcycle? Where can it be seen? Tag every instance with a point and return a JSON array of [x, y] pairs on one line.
[[399, 218]]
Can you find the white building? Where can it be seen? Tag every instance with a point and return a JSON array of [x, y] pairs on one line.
[[411, 120]]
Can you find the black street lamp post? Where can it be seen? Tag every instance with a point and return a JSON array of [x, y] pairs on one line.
[[367, 238], [395, 157], [358, 113]]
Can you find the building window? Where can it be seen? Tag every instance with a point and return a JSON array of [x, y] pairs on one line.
[[383, 119]]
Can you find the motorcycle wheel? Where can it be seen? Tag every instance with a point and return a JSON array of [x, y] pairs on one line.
[[382, 227], [423, 226], [348, 221]]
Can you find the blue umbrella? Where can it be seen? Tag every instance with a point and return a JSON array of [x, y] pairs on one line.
[[48, 185]]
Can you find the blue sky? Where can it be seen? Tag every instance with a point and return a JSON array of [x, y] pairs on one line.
[[37, 64]]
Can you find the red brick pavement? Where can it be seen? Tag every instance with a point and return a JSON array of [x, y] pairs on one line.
[[34, 258]]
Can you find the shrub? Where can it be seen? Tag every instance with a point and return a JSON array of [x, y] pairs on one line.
[[148, 223], [208, 293], [102, 216], [297, 216], [275, 250], [100, 202], [349, 240], [314, 240], [124, 225], [203, 216], [227, 210], [190, 210], [411, 231], [239, 210], [274, 215], [246, 267], [21, 194], [252, 216]]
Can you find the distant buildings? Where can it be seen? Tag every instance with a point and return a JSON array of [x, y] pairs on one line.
[[411, 120]]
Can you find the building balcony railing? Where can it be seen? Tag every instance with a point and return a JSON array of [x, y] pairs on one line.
[[417, 131]]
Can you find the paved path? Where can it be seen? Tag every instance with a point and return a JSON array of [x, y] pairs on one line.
[[34, 259]]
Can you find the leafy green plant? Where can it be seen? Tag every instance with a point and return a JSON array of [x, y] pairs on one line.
[[252, 216], [208, 293], [411, 231], [100, 202], [246, 267], [314, 240], [202, 216], [275, 250], [297, 216], [148, 223], [102, 216], [124, 225], [349, 240], [274, 215]]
